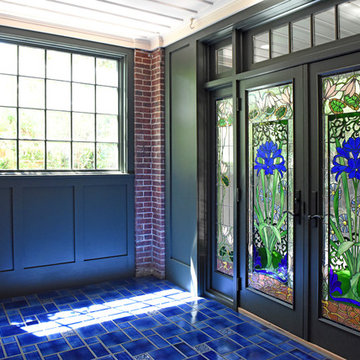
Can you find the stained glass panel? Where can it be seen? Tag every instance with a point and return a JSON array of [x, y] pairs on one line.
[[225, 186], [270, 243], [341, 242]]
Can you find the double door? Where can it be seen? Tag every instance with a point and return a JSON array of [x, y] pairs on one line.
[[298, 218]]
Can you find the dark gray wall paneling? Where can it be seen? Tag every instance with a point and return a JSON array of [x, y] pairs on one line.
[[182, 167], [109, 224], [60, 222], [48, 226], [6, 228]]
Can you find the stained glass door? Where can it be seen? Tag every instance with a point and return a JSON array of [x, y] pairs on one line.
[[223, 125], [335, 211], [271, 233]]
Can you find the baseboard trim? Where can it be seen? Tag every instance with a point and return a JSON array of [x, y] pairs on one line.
[[310, 345]]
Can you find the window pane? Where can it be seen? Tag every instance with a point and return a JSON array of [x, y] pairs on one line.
[[83, 69], [349, 13], [106, 100], [31, 61], [224, 59], [84, 156], [324, 23], [31, 93], [8, 58], [31, 155], [106, 72], [58, 65], [83, 127], [301, 35], [83, 98], [8, 90], [340, 201], [224, 186], [271, 191], [107, 156], [8, 155], [58, 155], [58, 95], [107, 128], [31, 124], [261, 47], [280, 41], [8, 123], [58, 125]]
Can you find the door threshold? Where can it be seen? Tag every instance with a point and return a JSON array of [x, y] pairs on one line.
[[308, 344]]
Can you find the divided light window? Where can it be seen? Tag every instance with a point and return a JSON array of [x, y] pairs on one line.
[[58, 110]]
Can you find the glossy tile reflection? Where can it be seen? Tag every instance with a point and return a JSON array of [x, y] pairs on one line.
[[135, 319]]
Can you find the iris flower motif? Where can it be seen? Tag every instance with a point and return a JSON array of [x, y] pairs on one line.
[[266, 157], [334, 283], [349, 152]]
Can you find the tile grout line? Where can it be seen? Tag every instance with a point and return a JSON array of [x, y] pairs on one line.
[[308, 344]]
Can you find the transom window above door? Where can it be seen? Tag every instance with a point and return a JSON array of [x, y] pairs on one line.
[[59, 110]]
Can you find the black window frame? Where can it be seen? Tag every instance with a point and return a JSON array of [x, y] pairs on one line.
[[124, 57]]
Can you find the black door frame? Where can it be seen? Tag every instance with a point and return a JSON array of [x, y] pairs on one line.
[[288, 317], [326, 333], [216, 285]]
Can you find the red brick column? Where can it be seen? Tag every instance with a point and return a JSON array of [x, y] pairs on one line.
[[149, 102]]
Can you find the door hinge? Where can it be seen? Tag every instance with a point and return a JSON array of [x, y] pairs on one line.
[[239, 283], [237, 194], [238, 104]]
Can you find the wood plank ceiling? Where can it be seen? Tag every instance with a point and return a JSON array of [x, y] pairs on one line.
[[145, 24]]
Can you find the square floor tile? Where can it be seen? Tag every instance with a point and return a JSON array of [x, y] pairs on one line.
[[114, 338], [195, 337], [246, 329], [223, 345], [90, 331], [82, 353], [185, 349], [255, 352], [143, 319], [52, 347], [166, 354], [168, 331], [139, 346]]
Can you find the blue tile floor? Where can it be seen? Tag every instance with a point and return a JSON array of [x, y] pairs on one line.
[[135, 319]]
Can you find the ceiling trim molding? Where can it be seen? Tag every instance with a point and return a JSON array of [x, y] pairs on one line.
[[74, 33], [197, 23]]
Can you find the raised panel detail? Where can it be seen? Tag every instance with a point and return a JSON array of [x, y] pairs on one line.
[[48, 226], [183, 156], [6, 233], [105, 221]]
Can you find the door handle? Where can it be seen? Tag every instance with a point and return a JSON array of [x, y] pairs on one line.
[[315, 207], [297, 206], [315, 216]]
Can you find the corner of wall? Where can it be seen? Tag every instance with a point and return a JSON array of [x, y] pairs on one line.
[[149, 125]]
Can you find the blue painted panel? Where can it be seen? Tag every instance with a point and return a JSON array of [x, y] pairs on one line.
[[105, 221], [183, 154], [6, 238], [48, 226]]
